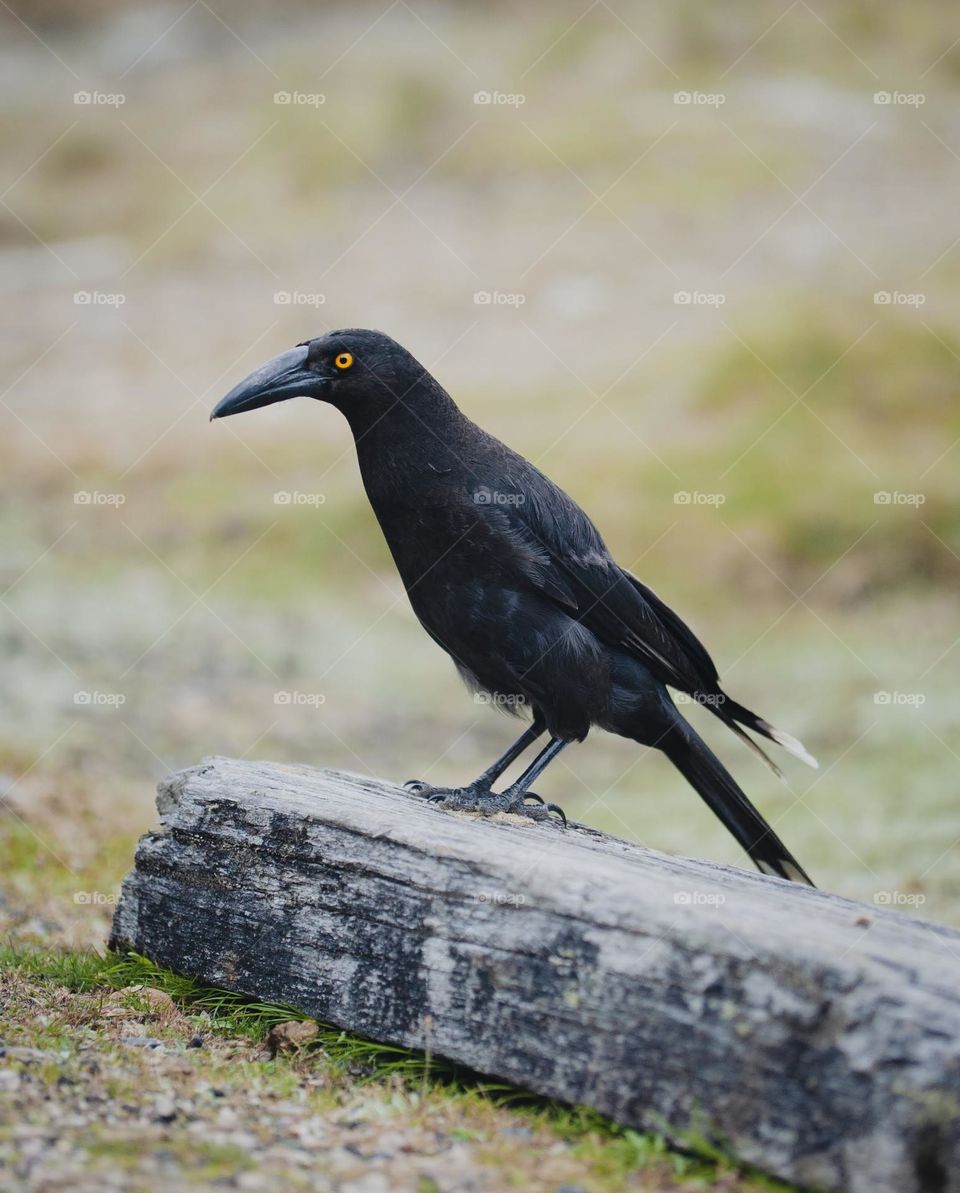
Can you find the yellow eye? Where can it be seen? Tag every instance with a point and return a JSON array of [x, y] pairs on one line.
[[344, 360]]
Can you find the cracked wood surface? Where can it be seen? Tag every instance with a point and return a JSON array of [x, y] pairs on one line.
[[812, 1036]]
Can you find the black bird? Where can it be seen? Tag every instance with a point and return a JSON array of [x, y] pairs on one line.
[[513, 580]]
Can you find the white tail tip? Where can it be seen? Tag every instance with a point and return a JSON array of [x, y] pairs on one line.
[[789, 871], [794, 747]]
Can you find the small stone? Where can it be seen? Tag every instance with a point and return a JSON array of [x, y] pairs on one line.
[[141, 1042], [291, 1036], [29, 1054], [160, 1002], [196, 1041], [164, 1110]]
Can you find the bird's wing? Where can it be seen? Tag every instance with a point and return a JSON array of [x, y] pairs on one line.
[[516, 552], [624, 612], [552, 545]]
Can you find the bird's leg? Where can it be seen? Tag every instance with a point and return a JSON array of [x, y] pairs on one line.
[[482, 784], [496, 769], [518, 792], [469, 799]]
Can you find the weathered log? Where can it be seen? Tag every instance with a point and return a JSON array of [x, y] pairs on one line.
[[804, 1033]]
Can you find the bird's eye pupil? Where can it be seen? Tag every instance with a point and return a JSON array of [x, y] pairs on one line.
[[344, 360]]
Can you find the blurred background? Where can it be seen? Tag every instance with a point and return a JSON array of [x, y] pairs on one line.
[[700, 263]]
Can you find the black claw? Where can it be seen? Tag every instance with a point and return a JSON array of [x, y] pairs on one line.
[[484, 801]]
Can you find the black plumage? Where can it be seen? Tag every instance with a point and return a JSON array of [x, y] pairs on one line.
[[513, 580]]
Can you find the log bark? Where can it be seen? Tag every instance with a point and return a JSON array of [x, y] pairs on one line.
[[806, 1034]]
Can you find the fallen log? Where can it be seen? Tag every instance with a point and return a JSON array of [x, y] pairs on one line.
[[806, 1034]]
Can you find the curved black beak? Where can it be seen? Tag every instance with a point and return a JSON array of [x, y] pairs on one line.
[[285, 376]]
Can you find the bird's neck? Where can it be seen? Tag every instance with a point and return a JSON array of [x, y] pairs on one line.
[[408, 443]]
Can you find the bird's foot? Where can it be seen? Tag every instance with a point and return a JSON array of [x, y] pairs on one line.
[[485, 801]]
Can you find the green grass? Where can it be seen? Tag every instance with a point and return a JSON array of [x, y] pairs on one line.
[[42, 859], [799, 478], [613, 1150], [204, 1161], [78, 971]]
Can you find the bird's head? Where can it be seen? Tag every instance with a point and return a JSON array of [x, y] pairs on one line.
[[362, 373]]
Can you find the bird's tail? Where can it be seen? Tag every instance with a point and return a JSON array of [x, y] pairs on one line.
[[704, 771], [738, 718]]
